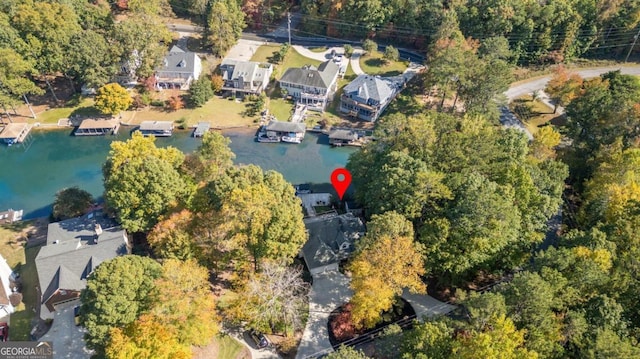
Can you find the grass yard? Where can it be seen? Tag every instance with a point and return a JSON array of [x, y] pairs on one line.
[[75, 106], [318, 49], [293, 59], [375, 64], [229, 348], [23, 316], [532, 113], [280, 107], [220, 112], [222, 347]]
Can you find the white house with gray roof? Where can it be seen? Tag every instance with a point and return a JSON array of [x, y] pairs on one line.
[[75, 247], [178, 69], [367, 96], [245, 76], [312, 86]]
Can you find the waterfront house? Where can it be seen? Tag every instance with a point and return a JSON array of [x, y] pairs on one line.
[[287, 131], [178, 69], [6, 277], [10, 216], [156, 128], [97, 127], [311, 86], [75, 247], [342, 137], [245, 76], [14, 132], [367, 96], [330, 240]]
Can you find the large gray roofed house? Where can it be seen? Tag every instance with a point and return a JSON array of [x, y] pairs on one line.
[[322, 77], [279, 126], [75, 247], [331, 239], [178, 60], [371, 89]]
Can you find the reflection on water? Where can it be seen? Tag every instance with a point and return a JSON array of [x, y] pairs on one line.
[[31, 175]]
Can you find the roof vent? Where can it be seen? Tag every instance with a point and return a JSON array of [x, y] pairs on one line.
[[56, 241]]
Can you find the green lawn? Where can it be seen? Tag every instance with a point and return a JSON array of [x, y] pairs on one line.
[[293, 59], [24, 314], [229, 348], [532, 113], [318, 49], [76, 106], [281, 108], [220, 112], [374, 64]]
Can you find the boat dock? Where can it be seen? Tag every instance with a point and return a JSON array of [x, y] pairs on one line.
[[97, 127], [13, 133], [201, 129], [156, 128]]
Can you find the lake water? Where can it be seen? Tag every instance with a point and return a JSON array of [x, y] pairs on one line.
[[30, 175]]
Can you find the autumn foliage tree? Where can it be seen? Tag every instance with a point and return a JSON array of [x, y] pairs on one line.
[[385, 264], [563, 87], [146, 338], [142, 181], [175, 102], [216, 83], [171, 238], [112, 98]]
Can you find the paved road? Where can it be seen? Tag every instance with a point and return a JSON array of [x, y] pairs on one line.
[[527, 87]]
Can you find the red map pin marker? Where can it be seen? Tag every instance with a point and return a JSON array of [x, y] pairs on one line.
[[340, 179]]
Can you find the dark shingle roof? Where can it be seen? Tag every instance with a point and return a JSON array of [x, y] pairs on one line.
[[72, 253], [322, 77], [327, 235]]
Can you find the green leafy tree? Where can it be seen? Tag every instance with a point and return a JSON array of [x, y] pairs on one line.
[[345, 352], [225, 23], [391, 53], [250, 215], [369, 46], [431, 339], [48, 28], [142, 181], [212, 158], [70, 203], [15, 78], [93, 60], [379, 274], [500, 339], [117, 292], [142, 43], [348, 50], [200, 91], [111, 99]]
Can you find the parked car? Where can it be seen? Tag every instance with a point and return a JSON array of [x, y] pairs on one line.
[[259, 339], [338, 59], [4, 332], [304, 188]]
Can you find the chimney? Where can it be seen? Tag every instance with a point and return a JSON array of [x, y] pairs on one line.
[[98, 230]]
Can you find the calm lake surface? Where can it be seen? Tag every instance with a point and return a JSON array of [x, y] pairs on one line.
[[30, 175]]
